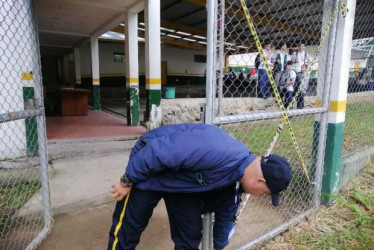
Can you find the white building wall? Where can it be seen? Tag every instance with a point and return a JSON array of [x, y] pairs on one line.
[[16, 58], [179, 61]]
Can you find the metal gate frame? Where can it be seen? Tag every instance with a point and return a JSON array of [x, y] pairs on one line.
[[320, 113], [36, 110]]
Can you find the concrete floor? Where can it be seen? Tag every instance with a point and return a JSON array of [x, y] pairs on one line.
[[95, 124], [88, 229]]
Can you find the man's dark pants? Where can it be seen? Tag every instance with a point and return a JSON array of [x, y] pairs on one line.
[[184, 216], [263, 83]]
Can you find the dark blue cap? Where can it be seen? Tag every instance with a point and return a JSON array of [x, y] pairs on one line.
[[278, 175]]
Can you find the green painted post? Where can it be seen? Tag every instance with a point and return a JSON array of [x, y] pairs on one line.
[[30, 124], [341, 48], [333, 160], [96, 102], [153, 103], [133, 106]]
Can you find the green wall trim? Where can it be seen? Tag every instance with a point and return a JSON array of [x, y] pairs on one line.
[[132, 96], [153, 98], [96, 102], [332, 172], [32, 143], [118, 81]]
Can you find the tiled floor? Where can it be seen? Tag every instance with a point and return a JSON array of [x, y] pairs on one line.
[[96, 124]]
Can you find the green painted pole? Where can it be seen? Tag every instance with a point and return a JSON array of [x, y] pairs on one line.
[[32, 145]]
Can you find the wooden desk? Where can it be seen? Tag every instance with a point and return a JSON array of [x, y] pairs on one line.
[[74, 102]]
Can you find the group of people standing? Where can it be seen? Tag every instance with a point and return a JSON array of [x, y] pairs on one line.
[[289, 72]]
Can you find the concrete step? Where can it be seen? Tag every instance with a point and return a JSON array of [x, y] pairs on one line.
[[60, 149]]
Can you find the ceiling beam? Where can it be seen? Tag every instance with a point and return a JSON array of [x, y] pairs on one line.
[[137, 7], [183, 44], [171, 5], [56, 46], [188, 14], [168, 41], [114, 22], [62, 33], [96, 4], [178, 26], [262, 19]]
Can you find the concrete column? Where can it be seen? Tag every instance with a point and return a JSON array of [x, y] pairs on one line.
[[96, 103], [153, 63], [77, 62], [132, 68], [338, 103]]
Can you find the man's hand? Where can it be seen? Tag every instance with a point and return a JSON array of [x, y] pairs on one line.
[[118, 191]]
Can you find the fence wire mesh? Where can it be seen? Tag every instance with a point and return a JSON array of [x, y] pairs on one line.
[[359, 124], [25, 215], [290, 33]]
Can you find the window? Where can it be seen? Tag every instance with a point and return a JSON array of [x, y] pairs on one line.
[[119, 57], [200, 58]]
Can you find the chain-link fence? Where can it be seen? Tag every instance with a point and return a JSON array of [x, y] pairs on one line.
[[359, 125], [25, 211], [283, 88]]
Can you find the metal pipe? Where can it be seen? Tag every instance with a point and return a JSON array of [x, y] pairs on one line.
[[277, 230], [207, 234], [22, 114], [266, 116], [42, 143], [221, 55], [324, 116], [41, 236], [210, 95]]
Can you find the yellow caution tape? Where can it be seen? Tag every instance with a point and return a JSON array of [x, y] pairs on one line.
[[272, 82], [273, 85]]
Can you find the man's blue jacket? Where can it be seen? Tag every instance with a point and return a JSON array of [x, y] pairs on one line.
[[188, 158]]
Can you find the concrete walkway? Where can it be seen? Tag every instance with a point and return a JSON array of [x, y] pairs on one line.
[[83, 208], [80, 182], [81, 203]]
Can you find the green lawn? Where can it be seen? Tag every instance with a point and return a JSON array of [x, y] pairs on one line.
[[347, 224], [11, 199], [359, 126], [359, 132]]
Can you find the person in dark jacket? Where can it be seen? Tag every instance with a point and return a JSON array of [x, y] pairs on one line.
[[196, 169]]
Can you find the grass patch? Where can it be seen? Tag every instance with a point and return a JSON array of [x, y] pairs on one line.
[[359, 131], [258, 135], [11, 199], [347, 224], [359, 126]]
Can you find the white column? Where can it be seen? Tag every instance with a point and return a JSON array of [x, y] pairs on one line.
[[340, 73], [77, 63], [95, 73], [153, 62], [132, 68]]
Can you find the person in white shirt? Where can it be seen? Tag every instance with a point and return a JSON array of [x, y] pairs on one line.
[[280, 62], [289, 77], [302, 78], [263, 79], [300, 57]]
